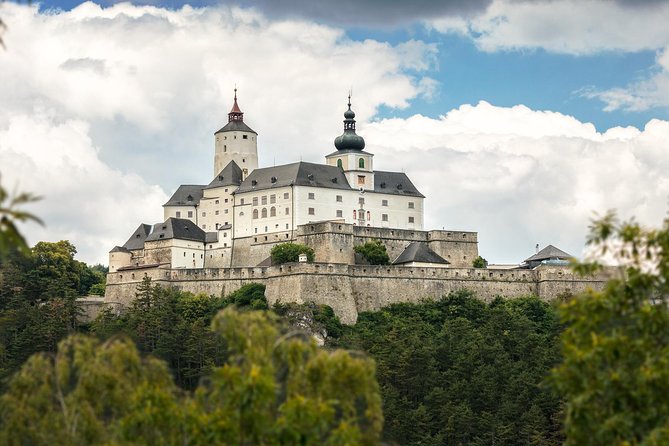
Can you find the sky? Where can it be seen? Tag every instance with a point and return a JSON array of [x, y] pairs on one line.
[[519, 119]]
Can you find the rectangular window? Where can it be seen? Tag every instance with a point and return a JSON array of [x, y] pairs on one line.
[[410, 219], [216, 202], [272, 199], [411, 205], [384, 202], [178, 214], [286, 195], [384, 217], [226, 190], [245, 136], [217, 212], [204, 214], [286, 228], [263, 200], [361, 179], [225, 234], [225, 211], [226, 200], [241, 201], [339, 199], [340, 213], [287, 211], [312, 196], [190, 214], [361, 201], [312, 211], [255, 201], [204, 226]]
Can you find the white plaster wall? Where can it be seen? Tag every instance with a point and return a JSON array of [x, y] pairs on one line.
[[231, 146], [187, 254], [172, 211]]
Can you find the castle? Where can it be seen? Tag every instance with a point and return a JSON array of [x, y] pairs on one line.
[[218, 236]]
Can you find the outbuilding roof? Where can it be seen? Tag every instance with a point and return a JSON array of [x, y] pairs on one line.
[[176, 228], [299, 174], [231, 175], [419, 252], [397, 183], [136, 240], [549, 252], [186, 195]]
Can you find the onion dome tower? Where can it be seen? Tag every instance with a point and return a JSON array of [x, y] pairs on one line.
[[349, 140], [350, 155], [236, 142]]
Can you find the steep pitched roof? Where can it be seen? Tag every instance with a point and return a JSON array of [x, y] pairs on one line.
[[231, 175], [177, 228], [419, 252], [549, 252], [136, 240], [186, 195], [236, 126], [300, 174], [397, 183], [119, 249]]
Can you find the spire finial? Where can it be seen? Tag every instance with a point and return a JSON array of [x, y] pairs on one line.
[[350, 93], [235, 92]]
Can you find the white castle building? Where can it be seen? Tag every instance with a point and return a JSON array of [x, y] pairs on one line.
[[245, 204]]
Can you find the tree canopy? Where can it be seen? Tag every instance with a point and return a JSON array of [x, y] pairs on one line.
[[290, 252], [615, 372], [374, 252]]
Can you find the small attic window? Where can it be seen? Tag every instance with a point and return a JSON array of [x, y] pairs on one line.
[[254, 182], [399, 186], [220, 178], [273, 179], [383, 185], [164, 226], [189, 198], [137, 236], [161, 236], [310, 177], [334, 180], [186, 228]]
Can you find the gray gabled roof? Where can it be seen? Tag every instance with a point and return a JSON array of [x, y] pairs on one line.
[[549, 252], [186, 195], [394, 183], [299, 174], [119, 249], [136, 240], [236, 126], [177, 228], [231, 175], [419, 252]]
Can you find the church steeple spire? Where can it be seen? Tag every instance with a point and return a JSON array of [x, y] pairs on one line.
[[236, 113]]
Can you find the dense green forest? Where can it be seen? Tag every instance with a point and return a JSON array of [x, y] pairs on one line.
[[196, 369]]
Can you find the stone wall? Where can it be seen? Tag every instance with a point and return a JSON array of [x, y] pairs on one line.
[[350, 289]]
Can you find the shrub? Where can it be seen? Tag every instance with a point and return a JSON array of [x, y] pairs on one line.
[[374, 252], [480, 262], [290, 252], [251, 295]]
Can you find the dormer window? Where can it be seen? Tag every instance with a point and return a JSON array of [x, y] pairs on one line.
[[254, 182], [273, 179], [189, 198]]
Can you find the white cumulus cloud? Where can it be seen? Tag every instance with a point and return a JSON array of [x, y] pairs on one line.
[[521, 176]]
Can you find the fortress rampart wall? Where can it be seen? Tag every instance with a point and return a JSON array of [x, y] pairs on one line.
[[350, 289]]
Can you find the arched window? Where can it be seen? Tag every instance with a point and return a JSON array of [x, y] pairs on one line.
[[355, 215], [264, 212], [272, 212], [255, 214], [369, 215], [340, 164], [361, 163]]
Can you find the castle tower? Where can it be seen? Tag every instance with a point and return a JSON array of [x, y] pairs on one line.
[[350, 154], [236, 142]]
